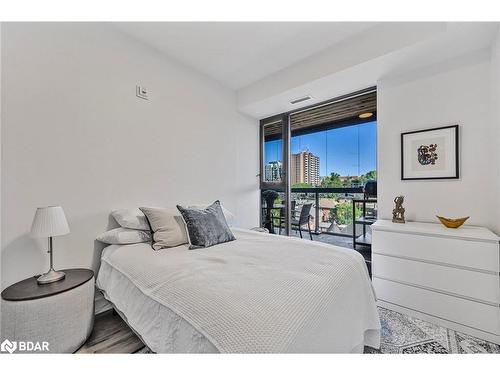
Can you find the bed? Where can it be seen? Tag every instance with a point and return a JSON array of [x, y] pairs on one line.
[[258, 294]]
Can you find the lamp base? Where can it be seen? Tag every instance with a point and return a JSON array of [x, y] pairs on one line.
[[51, 276]]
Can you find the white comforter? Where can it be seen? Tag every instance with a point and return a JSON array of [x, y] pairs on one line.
[[258, 294]]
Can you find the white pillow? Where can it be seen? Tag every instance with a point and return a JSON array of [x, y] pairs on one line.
[[230, 218], [123, 236], [131, 218]]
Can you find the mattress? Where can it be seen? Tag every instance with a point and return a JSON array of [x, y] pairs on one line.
[[136, 280], [162, 330]]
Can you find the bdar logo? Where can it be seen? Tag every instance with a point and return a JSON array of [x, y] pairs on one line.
[[8, 346]]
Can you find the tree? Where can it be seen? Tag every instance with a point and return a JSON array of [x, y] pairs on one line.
[[332, 181], [301, 185], [372, 175], [342, 213]]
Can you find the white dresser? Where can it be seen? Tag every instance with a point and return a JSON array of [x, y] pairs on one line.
[[450, 277]]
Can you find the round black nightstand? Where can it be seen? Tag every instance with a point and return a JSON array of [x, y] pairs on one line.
[[30, 289], [60, 314]]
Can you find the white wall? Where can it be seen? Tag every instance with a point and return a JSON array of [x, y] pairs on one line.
[[1, 153], [437, 97], [74, 134], [495, 93]]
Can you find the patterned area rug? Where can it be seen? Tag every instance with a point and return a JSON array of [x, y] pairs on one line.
[[406, 335]]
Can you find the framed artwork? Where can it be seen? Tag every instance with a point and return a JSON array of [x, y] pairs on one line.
[[430, 154]]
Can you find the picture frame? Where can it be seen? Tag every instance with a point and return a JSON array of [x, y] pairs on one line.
[[430, 154]]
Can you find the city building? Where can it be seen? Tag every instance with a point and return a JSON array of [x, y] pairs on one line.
[[273, 171], [304, 168]]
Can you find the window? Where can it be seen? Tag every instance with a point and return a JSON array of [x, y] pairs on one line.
[[272, 153], [339, 157], [329, 151], [335, 143]]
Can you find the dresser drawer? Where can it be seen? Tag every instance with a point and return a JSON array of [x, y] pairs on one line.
[[458, 310], [472, 254], [477, 285]]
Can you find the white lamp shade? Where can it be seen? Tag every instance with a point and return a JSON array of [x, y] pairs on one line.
[[49, 222]]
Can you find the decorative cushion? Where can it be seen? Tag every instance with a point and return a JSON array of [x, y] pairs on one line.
[[229, 216], [206, 227], [122, 236], [167, 226], [131, 218]]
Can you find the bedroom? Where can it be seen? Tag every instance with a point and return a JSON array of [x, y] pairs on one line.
[[173, 167]]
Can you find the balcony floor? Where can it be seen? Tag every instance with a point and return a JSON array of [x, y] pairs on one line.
[[327, 238]]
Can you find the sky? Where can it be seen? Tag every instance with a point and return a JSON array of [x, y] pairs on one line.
[[348, 151]]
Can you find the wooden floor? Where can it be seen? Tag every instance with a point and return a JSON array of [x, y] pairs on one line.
[[111, 335]]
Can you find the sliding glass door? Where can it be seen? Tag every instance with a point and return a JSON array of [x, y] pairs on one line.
[[274, 176], [315, 162]]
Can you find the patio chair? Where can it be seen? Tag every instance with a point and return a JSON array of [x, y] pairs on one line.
[[305, 215]]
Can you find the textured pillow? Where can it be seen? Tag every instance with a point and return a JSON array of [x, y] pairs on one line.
[[228, 215], [206, 227], [123, 236], [130, 218], [167, 226]]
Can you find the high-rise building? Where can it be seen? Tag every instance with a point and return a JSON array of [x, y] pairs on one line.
[[304, 168], [273, 171]]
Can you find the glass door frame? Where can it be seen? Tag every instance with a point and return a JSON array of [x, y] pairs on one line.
[[284, 184]]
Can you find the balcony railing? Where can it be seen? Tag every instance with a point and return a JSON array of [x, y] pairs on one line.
[[332, 208]]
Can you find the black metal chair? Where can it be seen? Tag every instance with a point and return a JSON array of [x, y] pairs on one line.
[[305, 215]]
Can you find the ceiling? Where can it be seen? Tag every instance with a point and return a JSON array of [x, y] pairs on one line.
[[268, 64], [387, 52], [238, 54]]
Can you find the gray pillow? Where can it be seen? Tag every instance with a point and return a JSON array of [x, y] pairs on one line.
[[206, 227]]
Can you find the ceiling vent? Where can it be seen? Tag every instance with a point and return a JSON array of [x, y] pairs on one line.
[[300, 100]]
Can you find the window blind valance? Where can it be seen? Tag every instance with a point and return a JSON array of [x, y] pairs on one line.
[[337, 113], [344, 110]]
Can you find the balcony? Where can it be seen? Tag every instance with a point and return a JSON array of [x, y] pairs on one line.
[[331, 214]]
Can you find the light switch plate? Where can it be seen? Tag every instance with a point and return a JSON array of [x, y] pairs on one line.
[[141, 92]]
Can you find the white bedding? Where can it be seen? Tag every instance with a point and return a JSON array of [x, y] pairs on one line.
[[260, 293]]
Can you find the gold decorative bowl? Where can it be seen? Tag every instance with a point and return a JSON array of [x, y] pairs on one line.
[[452, 223]]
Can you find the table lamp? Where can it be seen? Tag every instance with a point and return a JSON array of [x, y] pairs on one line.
[[49, 222]]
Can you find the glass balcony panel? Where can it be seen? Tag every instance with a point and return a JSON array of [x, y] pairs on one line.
[[272, 153], [336, 213], [298, 200], [273, 211]]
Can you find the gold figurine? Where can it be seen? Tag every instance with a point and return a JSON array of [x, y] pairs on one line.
[[398, 214]]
